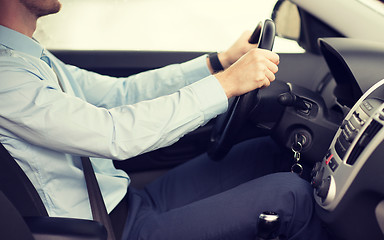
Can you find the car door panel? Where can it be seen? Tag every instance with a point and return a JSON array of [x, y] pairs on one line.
[[122, 63]]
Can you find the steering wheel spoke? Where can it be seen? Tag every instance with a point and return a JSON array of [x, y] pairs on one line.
[[227, 125]]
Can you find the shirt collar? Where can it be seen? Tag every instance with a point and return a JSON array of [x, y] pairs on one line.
[[19, 42]]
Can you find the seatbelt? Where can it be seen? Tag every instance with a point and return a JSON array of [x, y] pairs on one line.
[[99, 211]]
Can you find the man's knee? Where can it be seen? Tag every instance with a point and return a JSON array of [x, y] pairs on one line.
[[289, 190], [288, 182]]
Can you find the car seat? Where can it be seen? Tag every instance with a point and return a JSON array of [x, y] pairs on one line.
[[23, 215]]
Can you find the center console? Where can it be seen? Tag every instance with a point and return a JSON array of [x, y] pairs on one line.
[[349, 181]]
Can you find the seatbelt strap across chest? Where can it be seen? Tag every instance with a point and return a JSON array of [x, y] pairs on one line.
[[99, 211]]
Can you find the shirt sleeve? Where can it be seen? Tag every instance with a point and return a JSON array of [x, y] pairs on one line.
[[105, 91], [32, 110]]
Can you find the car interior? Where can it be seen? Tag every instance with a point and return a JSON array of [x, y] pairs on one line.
[[329, 101]]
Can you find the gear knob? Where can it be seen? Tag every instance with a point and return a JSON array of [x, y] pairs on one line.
[[268, 226]]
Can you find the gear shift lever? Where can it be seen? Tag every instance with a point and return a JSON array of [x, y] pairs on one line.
[[268, 226]]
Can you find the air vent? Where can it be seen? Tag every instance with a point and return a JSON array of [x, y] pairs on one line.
[[363, 141], [340, 150]]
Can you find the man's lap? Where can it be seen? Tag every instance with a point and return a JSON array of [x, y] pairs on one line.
[[233, 214], [202, 177], [203, 199]]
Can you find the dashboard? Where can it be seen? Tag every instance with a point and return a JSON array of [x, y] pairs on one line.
[[349, 181]]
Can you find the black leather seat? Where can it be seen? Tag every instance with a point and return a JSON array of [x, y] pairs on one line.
[[12, 224], [23, 215]]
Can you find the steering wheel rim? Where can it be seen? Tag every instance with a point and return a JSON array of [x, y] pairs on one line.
[[230, 122]]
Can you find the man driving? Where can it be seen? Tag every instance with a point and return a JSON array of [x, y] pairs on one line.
[[52, 113]]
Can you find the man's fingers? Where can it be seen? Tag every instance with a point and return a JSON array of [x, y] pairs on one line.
[[271, 66], [270, 75], [271, 56]]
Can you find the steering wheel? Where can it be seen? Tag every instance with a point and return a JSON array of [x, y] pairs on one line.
[[230, 122]]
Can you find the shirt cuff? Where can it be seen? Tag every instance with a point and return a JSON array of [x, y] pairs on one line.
[[211, 97], [195, 69]]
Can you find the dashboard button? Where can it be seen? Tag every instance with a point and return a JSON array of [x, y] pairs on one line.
[[333, 164]]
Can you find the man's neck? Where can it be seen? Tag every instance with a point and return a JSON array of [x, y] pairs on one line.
[[17, 18]]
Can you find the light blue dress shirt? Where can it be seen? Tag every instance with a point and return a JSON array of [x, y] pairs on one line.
[[46, 130]]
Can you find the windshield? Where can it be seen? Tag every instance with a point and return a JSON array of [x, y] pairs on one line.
[[160, 25], [196, 25]]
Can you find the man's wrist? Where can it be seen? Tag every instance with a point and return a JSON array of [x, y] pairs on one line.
[[215, 63], [225, 84], [224, 59]]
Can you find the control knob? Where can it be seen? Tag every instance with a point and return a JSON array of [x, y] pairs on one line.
[[323, 189], [317, 178]]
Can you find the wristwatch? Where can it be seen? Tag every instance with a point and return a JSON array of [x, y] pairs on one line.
[[215, 62]]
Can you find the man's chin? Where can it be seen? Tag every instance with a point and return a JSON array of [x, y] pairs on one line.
[[42, 8], [51, 10]]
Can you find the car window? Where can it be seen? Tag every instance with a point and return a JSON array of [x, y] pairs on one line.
[[377, 5], [167, 25]]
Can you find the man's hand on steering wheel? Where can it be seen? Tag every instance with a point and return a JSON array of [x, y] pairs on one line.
[[255, 69], [237, 50]]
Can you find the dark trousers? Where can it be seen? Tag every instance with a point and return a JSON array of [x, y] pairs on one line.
[[203, 199]]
